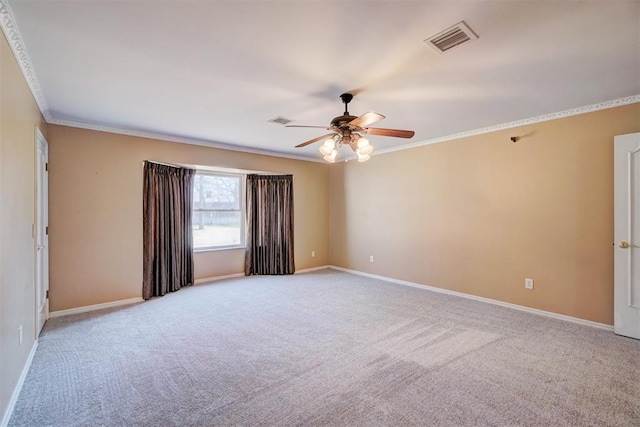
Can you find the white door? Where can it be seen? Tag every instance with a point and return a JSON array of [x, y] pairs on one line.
[[627, 235], [41, 231]]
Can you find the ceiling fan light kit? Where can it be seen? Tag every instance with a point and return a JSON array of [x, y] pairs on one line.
[[347, 130]]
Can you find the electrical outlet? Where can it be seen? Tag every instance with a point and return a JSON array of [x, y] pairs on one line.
[[313, 253], [528, 283], [370, 258], [20, 334]]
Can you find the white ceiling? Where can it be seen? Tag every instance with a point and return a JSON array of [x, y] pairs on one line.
[[217, 71]]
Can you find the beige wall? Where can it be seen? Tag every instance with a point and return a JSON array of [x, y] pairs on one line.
[[19, 116], [95, 233], [475, 215], [478, 215]]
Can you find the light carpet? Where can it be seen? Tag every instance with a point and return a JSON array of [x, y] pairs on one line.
[[326, 348]]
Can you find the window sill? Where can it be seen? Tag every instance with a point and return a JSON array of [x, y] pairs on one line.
[[218, 248]]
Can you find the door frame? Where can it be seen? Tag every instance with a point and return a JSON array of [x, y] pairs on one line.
[[40, 231]]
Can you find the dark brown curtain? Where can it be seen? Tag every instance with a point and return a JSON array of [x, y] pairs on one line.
[[168, 239], [269, 225]]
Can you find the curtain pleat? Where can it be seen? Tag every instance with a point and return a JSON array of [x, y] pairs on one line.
[[269, 225], [168, 240]]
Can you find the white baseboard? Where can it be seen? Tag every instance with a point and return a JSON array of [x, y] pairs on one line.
[[94, 307], [206, 280], [309, 270], [482, 299], [18, 388]]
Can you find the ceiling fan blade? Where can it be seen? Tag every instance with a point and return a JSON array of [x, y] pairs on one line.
[[305, 126], [366, 119], [311, 141], [397, 133]]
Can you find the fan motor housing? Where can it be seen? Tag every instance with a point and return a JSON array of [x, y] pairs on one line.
[[342, 120]]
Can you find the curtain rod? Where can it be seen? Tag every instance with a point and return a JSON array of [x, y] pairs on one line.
[[223, 169], [220, 169], [175, 165]]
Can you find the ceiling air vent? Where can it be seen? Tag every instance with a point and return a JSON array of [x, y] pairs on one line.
[[280, 120], [451, 37]]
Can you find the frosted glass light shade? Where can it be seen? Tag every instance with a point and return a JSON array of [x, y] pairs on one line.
[[325, 150], [331, 157], [363, 142], [363, 157], [328, 147], [365, 150]]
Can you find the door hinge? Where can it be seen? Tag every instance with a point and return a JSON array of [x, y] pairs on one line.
[[47, 293], [46, 166], [46, 230]]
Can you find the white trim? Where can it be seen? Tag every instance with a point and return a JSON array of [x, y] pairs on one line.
[[41, 143], [18, 388], [94, 307], [10, 29], [206, 280], [309, 270], [241, 179], [14, 38], [244, 149], [544, 118], [179, 139], [482, 299], [217, 248]]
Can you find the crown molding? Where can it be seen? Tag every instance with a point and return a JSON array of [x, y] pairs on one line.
[[544, 118], [11, 32], [179, 139], [14, 38], [10, 29], [192, 141]]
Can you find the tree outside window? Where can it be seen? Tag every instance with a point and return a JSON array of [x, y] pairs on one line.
[[218, 210]]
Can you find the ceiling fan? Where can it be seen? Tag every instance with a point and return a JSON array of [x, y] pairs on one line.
[[347, 130]]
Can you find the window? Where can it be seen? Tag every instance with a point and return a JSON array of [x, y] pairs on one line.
[[218, 211]]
